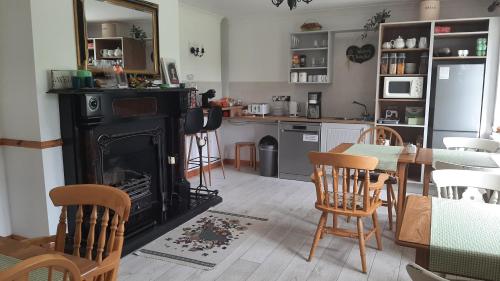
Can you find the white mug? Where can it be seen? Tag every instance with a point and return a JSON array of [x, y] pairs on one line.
[[294, 77], [422, 43]]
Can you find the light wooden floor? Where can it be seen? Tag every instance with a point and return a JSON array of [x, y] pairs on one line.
[[280, 250]]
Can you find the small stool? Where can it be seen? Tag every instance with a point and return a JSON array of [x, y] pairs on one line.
[[253, 154]]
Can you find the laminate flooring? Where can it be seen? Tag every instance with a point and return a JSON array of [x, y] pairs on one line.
[[279, 250]]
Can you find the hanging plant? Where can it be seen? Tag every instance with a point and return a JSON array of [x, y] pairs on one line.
[[374, 22], [137, 32]]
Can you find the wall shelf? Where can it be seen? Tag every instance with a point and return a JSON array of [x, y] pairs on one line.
[[402, 125], [460, 58], [310, 49], [403, 75], [460, 34], [309, 68], [404, 50]]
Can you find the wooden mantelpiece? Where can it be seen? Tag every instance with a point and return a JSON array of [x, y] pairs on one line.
[[30, 144]]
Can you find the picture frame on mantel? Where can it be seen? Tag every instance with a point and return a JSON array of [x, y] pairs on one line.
[[170, 75]]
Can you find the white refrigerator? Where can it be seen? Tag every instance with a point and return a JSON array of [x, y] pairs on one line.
[[458, 102]]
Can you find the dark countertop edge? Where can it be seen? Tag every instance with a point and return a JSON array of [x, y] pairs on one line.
[[113, 91]]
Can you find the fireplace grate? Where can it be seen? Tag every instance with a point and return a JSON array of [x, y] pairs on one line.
[[138, 187]]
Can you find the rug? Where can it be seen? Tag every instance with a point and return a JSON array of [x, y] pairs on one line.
[[204, 241]]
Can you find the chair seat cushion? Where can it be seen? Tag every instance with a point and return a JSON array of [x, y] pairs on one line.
[[374, 177], [340, 198]]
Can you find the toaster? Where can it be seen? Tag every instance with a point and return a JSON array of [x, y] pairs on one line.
[[259, 108]]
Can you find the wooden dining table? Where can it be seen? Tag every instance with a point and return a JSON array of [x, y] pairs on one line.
[[402, 172], [425, 156], [22, 251], [462, 245]]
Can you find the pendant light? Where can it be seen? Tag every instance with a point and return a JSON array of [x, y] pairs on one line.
[[291, 3]]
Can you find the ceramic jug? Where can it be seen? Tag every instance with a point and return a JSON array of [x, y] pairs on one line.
[[411, 43], [399, 43]]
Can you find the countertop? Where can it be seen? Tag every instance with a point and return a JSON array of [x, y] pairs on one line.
[[298, 119]]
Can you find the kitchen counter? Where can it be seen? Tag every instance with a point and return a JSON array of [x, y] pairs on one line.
[[269, 118]]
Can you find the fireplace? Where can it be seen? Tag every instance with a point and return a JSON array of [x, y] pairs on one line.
[[132, 140]]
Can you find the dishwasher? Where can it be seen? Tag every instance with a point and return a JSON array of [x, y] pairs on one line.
[[296, 140]]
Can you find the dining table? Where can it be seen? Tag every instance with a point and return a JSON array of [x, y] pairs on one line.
[[457, 237], [427, 157], [404, 159], [13, 251]]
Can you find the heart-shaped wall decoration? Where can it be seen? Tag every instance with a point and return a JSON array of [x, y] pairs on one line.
[[360, 55]]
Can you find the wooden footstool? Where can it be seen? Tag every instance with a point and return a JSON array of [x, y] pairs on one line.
[[253, 154]]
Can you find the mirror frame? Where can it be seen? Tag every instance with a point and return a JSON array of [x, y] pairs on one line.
[[81, 32]]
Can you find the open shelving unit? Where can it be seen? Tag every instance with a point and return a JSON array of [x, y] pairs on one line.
[[462, 36], [316, 47]]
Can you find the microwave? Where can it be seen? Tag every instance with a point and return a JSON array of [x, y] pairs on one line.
[[403, 87]]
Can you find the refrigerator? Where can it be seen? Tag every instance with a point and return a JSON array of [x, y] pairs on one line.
[[457, 102]]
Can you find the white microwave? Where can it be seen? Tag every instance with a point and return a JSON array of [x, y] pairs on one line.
[[403, 87]]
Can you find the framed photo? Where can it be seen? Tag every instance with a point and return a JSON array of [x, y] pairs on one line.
[[60, 79], [169, 72]]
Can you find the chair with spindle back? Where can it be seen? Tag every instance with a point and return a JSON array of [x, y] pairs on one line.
[[114, 206], [339, 199], [43, 267], [384, 136]]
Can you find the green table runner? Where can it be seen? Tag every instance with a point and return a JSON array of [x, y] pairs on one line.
[[465, 238], [464, 158], [37, 275], [387, 155]]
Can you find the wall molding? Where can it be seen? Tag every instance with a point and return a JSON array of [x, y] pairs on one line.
[[31, 144]]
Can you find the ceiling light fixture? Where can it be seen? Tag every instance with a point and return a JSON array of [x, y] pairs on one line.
[[291, 3]]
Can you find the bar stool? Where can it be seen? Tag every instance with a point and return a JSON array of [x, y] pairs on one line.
[[192, 126], [214, 121], [253, 154]]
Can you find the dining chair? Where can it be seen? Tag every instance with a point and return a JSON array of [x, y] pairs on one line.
[[113, 206], [471, 144], [418, 273], [449, 181], [384, 136], [338, 199], [44, 267]]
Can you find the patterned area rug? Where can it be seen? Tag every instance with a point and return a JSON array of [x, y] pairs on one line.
[[204, 241]]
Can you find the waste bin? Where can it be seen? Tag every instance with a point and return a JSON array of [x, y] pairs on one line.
[[268, 156]]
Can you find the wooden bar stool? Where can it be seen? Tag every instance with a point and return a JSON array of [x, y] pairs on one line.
[[253, 154]]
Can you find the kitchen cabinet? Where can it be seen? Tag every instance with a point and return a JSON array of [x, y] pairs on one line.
[[333, 134]]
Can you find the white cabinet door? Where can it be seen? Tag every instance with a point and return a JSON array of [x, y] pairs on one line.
[[333, 134]]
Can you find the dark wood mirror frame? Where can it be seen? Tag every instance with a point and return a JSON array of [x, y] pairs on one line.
[[81, 31]]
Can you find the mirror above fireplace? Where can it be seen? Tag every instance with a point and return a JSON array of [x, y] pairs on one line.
[[117, 32]]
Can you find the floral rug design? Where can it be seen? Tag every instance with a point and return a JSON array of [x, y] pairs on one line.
[[204, 241]]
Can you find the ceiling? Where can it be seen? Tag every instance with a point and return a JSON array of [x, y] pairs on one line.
[[249, 7], [98, 11]]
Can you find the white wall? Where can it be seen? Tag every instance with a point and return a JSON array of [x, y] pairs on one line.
[[200, 28], [41, 38], [258, 53]]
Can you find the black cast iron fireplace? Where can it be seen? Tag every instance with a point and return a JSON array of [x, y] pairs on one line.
[[132, 140]]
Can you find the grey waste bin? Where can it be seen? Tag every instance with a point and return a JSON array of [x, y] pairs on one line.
[[268, 156]]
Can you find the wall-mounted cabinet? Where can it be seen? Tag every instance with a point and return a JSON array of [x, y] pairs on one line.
[[310, 57], [129, 52]]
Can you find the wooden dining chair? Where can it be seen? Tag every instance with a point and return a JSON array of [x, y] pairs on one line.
[[113, 206], [471, 144], [339, 199], [44, 267], [384, 136], [450, 181], [418, 273]]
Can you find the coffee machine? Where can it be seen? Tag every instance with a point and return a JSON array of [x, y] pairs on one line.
[[314, 105]]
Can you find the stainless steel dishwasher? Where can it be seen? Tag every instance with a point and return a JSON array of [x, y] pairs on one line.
[[296, 140]]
